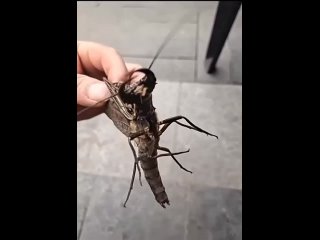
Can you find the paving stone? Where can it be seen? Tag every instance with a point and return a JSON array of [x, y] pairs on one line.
[[143, 218], [85, 185], [215, 213]]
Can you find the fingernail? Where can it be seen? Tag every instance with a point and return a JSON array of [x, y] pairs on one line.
[[98, 91]]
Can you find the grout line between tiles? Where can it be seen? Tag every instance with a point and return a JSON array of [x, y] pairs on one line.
[[196, 48]]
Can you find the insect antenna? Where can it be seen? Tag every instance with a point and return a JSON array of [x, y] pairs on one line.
[[87, 108], [168, 37]]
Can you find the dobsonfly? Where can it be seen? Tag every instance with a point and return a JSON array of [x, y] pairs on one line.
[[131, 109]]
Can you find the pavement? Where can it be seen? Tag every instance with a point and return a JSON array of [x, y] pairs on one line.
[[204, 205]]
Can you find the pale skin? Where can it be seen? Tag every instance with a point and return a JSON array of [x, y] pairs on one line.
[[95, 61]]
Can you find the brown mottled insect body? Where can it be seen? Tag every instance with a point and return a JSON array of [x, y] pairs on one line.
[[141, 127], [133, 113], [149, 141]]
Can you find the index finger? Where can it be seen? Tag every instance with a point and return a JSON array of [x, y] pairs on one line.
[[99, 60]]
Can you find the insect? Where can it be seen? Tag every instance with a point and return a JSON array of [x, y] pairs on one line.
[[131, 109]]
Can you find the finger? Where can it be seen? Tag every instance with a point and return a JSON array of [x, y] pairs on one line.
[[132, 66], [134, 76], [99, 59], [90, 91]]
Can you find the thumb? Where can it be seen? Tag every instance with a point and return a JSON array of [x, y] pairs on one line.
[[90, 91]]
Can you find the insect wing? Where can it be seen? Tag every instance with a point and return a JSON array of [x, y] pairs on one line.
[[117, 117]]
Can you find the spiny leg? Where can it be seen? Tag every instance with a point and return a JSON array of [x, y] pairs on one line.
[[90, 107], [168, 154], [138, 133], [133, 172], [113, 94], [139, 171], [163, 128], [131, 184], [168, 121], [172, 155], [136, 161], [168, 124], [131, 137]]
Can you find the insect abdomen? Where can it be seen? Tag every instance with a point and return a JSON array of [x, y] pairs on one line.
[[152, 175]]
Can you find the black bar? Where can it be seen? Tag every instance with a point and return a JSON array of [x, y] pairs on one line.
[[225, 16]]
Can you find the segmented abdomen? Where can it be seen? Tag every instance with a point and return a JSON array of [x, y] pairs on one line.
[[152, 175]]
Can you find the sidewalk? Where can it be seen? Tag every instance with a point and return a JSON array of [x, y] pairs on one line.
[[204, 205]]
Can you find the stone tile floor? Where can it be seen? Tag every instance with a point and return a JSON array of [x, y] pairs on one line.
[[204, 205]]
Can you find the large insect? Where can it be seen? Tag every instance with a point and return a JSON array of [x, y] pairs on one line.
[[131, 109]]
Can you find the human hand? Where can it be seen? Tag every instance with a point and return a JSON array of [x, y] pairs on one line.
[[95, 61]]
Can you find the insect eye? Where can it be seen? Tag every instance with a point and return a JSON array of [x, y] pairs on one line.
[[130, 110]]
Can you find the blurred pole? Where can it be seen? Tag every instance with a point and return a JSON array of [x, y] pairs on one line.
[[225, 16]]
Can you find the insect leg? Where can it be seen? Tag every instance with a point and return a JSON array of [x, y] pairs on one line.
[[166, 125], [138, 133], [90, 107], [164, 128], [131, 184], [136, 160], [133, 172], [168, 121], [172, 155], [139, 171], [168, 154]]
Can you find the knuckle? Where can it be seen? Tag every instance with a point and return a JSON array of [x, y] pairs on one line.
[[112, 50]]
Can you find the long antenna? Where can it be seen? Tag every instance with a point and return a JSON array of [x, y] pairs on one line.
[[101, 101], [169, 36]]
